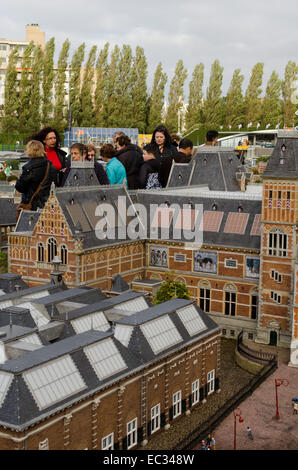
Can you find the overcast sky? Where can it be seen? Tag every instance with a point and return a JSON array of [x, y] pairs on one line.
[[239, 33]]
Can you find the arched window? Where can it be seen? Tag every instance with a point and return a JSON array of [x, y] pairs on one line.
[[277, 243], [40, 252], [230, 299], [63, 254], [52, 249]]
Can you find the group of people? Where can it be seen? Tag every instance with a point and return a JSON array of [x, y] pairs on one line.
[[126, 163], [209, 443]]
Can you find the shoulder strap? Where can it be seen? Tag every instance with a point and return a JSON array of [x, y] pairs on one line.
[[40, 184]]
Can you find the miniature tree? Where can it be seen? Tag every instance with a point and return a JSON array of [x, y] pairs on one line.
[[171, 289]]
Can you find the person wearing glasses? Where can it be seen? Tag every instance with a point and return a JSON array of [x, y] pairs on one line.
[[50, 138], [98, 167], [81, 152]]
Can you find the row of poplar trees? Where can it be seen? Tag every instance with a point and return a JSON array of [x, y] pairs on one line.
[[108, 88]]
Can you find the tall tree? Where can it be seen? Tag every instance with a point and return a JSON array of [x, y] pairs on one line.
[[75, 85], [156, 100], [100, 96], [60, 109], [123, 114], [213, 106], [87, 90], [34, 120], [176, 96], [194, 109], [11, 102], [139, 90], [48, 82], [272, 109], [290, 94], [113, 110], [234, 107], [253, 105], [25, 88]]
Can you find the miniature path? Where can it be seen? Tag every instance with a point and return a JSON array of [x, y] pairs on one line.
[[258, 412]]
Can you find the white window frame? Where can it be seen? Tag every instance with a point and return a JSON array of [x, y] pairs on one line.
[[277, 243], [132, 433], [44, 445], [210, 382], [195, 392], [205, 299], [107, 442], [155, 418], [177, 402], [231, 259]]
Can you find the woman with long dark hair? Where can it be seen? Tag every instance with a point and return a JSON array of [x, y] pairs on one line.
[[52, 143], [162, 143]]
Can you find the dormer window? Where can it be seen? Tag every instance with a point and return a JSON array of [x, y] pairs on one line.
[[240, 209], [282, 154], [205, 162], [214, 207]]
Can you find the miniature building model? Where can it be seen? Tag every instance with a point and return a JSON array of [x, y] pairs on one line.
[[242, 275], [82, 371]]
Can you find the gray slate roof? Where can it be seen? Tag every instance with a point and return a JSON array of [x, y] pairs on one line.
[[9, 281], [213, 166], [284, 164], [8, 211], [18, 407]]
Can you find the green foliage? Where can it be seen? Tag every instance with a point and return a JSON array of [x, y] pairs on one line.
[[75, 85], [123, 110], [14, 164], [86, 91], [3, 262], [234, 108], [2, 176], [262, 159], [253, 105], [60, 109], [171, 289], [11, 99], [34, 119], [156, 100], [112, 101], [272, 109], [289, 94], [195, 99], [139, 91], [175, 97], [25, 88], [213, 106], [100, 96], [48, 81]]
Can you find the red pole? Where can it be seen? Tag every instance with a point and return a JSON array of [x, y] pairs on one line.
[[234, 431], [276, 394]]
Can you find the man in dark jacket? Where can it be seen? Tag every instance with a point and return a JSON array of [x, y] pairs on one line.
[[183, 156], [130, 158], [33, 174]]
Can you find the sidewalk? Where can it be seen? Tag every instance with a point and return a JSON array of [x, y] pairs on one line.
[[259, 410]]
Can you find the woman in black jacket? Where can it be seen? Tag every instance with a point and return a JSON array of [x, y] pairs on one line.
[[52, 142], [131, 158], [162, 143], [33, 173]]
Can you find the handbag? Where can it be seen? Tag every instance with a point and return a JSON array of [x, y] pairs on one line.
[[27, 206]]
